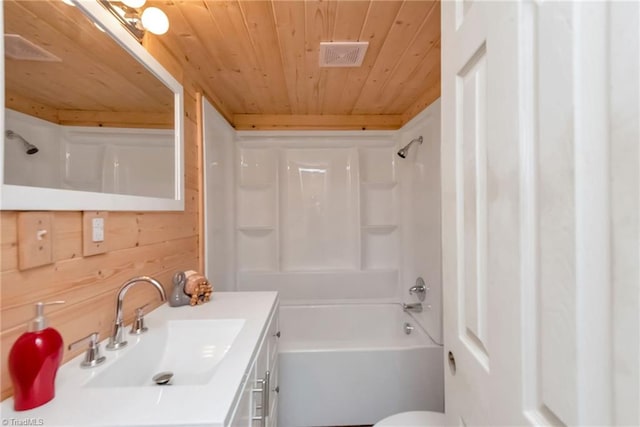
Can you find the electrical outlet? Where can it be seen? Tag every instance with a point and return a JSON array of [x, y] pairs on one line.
[[94, 240]]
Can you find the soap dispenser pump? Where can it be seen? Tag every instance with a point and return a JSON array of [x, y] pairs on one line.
[[33, 362]]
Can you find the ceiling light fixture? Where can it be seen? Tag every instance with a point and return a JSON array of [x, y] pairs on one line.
[[135, 20], [155, 20], [134, 3]]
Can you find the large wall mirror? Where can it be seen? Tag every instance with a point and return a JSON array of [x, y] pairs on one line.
[[92, 121]]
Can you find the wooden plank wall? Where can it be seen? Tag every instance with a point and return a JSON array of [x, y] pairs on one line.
[[149, 243]]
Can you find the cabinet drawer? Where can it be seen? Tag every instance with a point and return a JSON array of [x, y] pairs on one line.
[[274, 386], [244, 410], [273, 336], [272, 420]]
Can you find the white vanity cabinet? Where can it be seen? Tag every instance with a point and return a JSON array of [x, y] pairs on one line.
[[260, 388]]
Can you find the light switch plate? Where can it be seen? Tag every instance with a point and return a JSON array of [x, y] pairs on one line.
[[35, 235], [94, 239], [97, 229]]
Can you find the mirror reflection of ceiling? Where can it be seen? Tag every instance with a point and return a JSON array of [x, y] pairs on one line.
[[91, 81]]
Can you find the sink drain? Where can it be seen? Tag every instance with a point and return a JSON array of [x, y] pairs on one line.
[[163, 378]]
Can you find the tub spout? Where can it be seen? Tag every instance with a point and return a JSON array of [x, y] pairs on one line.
[[415, 307]]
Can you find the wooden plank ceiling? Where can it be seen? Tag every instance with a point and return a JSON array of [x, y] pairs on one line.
[[95, 83], [258, 60]]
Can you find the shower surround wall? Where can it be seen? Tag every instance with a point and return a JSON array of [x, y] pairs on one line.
[[420, 201], [326, 217], [317, 215]]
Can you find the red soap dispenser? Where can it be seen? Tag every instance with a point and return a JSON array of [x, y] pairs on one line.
[[33, 362]]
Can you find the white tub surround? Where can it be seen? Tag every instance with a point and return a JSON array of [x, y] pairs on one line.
[[316, 210], [420, 213], [354, 365], [87, 397]]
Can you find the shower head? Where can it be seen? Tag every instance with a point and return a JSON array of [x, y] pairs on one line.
[[405, 150], [29, 147]]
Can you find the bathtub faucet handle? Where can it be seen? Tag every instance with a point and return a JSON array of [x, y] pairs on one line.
[[420, 289]]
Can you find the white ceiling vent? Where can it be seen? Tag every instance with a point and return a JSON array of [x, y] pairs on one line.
[[18, 48], [342, 54]]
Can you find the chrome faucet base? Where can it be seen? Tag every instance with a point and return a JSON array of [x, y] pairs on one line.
[[92, 357], [92, 363], [116, 345], [138, 331]]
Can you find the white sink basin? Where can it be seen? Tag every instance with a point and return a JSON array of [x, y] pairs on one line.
[[209, 349], [190, 349]]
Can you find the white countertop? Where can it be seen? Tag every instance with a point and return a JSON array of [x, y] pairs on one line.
[[209, 404]]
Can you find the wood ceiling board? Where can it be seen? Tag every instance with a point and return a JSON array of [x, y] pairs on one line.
[[319, 21], [290, 25], [260, 24], [408, 91], [380, 18], [410, 19], [195, 49], [350, 17], [423, 56], [426, 99], [256, 90]]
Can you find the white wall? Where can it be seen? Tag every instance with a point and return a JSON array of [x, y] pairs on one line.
[[219, 200]]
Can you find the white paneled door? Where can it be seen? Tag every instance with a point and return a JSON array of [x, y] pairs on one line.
[[541, 195]]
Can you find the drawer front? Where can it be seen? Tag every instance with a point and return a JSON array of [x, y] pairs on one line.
[[274, 388], [272, 420], [244, 410], [273, 336]]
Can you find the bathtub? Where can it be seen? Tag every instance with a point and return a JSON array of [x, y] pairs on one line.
[[354, 365]]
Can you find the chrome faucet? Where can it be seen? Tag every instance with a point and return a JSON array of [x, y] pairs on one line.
[[416, 307], [420, 289], [116, 340]]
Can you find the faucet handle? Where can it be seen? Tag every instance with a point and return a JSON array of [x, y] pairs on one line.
[[92, 357], [137, 327], [140, 310], [420, 289]]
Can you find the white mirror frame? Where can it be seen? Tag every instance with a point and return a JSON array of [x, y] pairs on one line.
[[18, 197]]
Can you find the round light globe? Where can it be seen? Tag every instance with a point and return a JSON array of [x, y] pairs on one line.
[[134, 3], [155, 20]]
